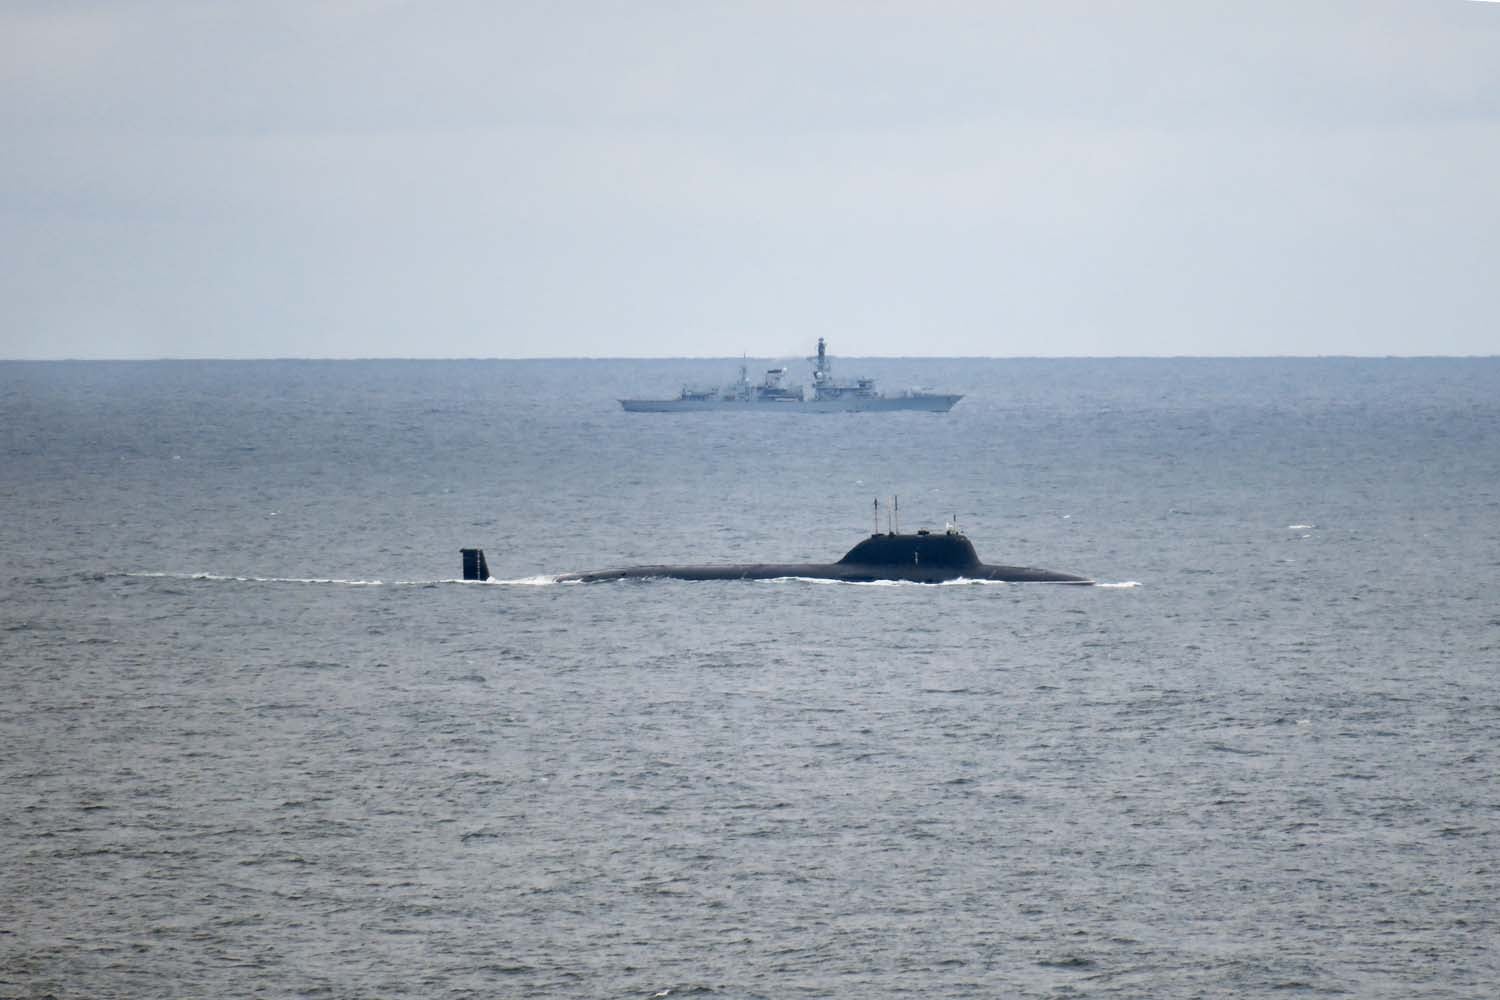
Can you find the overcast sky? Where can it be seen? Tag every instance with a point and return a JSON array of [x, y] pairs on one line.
[[376, 178]]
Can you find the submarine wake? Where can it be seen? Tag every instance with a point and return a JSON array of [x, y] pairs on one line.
[[527, 581], [221, 578]]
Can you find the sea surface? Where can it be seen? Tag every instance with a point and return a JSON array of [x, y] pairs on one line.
[[255, 738]]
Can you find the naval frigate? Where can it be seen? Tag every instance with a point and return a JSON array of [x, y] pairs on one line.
[[826, 395]]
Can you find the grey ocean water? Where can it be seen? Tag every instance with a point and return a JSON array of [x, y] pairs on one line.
[[255, 740]]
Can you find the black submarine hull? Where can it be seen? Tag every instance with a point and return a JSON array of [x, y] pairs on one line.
[[923, 557], [845, 573]]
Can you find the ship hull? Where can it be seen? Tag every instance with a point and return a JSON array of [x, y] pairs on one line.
[[925, 402], [920, 558], [844, 572]]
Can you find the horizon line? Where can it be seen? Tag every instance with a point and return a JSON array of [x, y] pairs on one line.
[[764, 357]]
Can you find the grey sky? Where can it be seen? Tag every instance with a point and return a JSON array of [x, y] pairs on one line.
[[357, 178]]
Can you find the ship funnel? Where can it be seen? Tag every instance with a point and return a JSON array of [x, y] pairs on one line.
[[475, 567]]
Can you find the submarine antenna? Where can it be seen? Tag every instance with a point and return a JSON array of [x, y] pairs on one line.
[[896, 510], [877, 515]]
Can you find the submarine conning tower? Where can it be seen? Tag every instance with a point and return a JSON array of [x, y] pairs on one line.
[[949, 550]]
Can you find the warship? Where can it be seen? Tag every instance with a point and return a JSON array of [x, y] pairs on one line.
[[826, 395]]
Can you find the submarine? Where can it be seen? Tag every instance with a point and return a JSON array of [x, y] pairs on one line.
[[922, 557]]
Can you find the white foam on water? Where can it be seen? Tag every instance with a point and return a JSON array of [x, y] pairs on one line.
[[529, 581], [220, 578], [960, 582], [848, 583], [549, 580], [525, 581]]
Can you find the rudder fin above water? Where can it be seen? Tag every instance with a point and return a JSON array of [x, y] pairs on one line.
[[475, 568]]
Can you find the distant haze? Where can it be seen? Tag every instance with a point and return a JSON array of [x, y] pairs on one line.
[[290, 178]]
